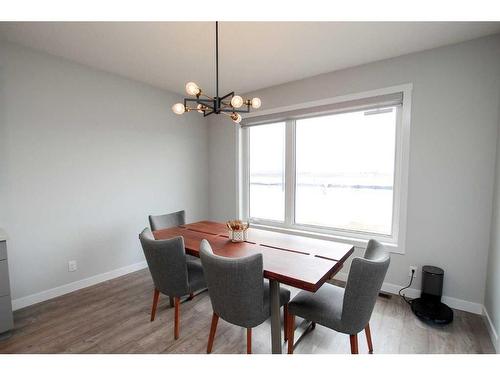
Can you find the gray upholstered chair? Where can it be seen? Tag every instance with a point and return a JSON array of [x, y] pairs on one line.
[[237, 290], [167, 221], [174, 219], [172, 274], [345, 310]]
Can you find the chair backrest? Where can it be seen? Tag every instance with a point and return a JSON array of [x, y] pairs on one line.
[[168, 220], [363, 285], [235, 286], [167, 263]]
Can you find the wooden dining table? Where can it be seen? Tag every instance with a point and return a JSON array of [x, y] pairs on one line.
[[298, 261]]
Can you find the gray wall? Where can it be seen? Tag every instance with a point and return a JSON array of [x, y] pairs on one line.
[[85, 156], [492, 295], [452, 154]]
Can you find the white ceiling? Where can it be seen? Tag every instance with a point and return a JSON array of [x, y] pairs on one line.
[[252, 55]]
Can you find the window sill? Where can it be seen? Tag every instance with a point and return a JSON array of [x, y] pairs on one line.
[[357, 242]]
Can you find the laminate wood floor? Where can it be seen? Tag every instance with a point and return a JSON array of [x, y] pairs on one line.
[[113, 317]]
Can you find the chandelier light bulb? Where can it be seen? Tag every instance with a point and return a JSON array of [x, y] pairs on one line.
[[236, 117], [256, 103], [192, 88], [178, 108], [200, 108], [237, 101]]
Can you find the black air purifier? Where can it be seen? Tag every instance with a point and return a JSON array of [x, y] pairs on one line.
[[429, 307]]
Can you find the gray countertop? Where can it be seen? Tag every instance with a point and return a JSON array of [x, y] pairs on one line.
[[3, 235]]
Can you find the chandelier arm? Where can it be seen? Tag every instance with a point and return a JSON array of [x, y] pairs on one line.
[[227, 110], [205, 101], [231, 94], [207, 107], [206, 96], [208, 104], [223, 103]]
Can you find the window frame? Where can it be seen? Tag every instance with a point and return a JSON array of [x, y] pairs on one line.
[[395, 241]]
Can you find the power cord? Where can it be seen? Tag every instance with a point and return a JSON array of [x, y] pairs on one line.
[[406, 287]]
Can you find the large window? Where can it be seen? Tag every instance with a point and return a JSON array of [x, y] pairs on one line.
[[336, 172]]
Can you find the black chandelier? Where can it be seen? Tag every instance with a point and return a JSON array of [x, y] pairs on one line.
[[230, 104]]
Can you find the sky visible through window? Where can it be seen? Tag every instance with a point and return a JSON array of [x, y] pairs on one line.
[[344, 171], [267, 172]]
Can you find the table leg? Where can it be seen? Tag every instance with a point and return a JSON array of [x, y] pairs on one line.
[[275, 317]]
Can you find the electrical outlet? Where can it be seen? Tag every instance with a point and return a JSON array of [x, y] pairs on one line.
[[72, 266], [414, 270]]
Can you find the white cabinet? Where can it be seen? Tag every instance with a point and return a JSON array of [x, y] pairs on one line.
[[6, 320]]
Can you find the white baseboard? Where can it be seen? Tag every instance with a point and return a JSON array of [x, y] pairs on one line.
[[459, 304], [19, 303], [491, 330]]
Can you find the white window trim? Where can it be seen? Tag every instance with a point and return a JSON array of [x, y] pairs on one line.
[[396, 242]]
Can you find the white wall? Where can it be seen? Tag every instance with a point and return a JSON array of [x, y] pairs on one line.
[[452, 155], [492, 295], [85, 156]]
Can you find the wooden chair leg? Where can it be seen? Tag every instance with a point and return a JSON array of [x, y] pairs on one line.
[[368, 335], [156, 296], [171, 299], [213, 328], [177, 303], [285, 321], [354, 344], [249, 340], [290, 325]]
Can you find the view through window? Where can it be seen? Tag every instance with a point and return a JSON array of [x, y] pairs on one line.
[[340, 174], [267, 172], [345, 171]]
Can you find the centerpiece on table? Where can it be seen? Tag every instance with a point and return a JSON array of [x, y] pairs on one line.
[[237, 230]]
